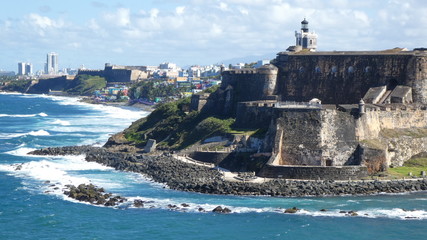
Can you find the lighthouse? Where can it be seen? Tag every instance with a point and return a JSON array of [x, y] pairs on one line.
[[305, 39]]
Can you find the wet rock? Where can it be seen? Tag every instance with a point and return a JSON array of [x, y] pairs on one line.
[[220, 209], [138, 203], [292, 210], [352, 213], [193, 178]]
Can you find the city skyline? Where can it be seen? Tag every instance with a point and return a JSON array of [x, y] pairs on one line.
[[190, 32]]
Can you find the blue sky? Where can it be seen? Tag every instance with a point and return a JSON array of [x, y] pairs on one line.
[[186, 32]]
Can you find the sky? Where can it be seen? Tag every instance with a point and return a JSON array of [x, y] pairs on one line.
[[91, 33]]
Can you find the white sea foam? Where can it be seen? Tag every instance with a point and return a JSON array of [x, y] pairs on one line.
[[39, 133], [21, 151], [42, 114], [56, 172], [31, 133], [61, 122]]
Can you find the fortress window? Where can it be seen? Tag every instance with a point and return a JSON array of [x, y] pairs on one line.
[[351, 69], [317, 70], [334, 69], [367, 69]]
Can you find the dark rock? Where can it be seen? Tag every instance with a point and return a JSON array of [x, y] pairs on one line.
[[138, 203], [193, 178], [352, 213], [219, 209], [292, 210]]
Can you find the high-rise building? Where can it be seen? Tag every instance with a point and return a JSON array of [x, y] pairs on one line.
[[28, 69], [51, 66], [25, 68], [21, 68]]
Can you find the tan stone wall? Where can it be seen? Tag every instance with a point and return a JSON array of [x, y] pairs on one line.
[[369, 125]]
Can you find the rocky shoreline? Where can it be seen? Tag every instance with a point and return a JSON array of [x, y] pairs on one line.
[[183, 176]]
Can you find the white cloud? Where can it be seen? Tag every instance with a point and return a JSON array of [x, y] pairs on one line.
[[42, 22], [223, 6], [154, 13], [180, 10], [216, 30], [244, 11]]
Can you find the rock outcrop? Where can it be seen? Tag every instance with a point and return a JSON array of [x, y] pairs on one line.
[[194, 178]]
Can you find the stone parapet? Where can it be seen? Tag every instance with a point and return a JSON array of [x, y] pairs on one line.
[[313, 172]]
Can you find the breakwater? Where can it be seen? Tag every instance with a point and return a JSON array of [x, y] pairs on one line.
[[193, 178]]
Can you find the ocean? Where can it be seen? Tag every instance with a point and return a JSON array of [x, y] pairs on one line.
[[33, 206]]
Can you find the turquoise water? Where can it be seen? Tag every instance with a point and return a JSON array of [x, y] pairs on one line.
[[32, 208]]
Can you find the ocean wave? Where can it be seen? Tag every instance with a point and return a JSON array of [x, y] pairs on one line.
[[61, 122], [169, 204], [55, 172], [42, 114], [16, 135], [21, 151]]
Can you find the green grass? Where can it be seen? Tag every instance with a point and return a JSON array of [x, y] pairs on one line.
[[415, 166], [401, 172], [85, 85]]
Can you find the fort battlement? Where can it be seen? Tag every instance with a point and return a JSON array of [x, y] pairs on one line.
[[344, 77], [343, 130]]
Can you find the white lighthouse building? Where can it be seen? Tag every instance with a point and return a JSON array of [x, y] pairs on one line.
[[305, 39]]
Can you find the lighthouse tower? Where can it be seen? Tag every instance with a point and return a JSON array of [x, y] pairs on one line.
[[305, 39]]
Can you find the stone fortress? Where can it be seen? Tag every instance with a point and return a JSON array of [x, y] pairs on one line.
[[329, 115]]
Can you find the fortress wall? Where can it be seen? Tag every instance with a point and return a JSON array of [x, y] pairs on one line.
[[420, 86], [371, 123], [338, 138], [345, 78], [403, 148], [245, 85], [313, 172], [254, 115], [300, 131], [44, 85], [249, 85], [89, 72]]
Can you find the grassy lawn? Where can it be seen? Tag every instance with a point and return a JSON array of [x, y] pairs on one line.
[[415, 166]]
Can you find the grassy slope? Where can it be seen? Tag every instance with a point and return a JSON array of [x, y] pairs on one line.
[[173, 128], [415, 166], [85, 85]]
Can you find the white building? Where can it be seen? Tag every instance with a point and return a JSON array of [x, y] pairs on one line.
[[51, 66], [261, 63], [305, 39], [170, 66], [25, 68]]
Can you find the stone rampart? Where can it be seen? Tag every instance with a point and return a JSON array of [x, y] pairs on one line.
[[46, 85], [254, 115], [245, 85], [313, 172], [370, 124], [344, 77], [209, 157]]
